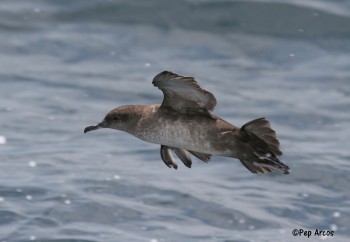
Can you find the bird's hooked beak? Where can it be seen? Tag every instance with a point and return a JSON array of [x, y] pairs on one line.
[[94, 127]]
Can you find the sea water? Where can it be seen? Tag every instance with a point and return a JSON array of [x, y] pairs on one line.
[[65, 64]]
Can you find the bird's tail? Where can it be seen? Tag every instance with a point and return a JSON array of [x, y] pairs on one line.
[[264, 147], [264, 163]]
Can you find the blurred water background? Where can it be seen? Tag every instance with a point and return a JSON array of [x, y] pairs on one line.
[[65, 64]]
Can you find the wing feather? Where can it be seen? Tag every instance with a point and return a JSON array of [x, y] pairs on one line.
[[183, 94]]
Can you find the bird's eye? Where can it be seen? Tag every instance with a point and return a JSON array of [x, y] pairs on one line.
[[115, 118]]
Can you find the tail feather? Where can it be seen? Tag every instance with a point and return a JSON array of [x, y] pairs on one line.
[[262, 129], [264, 147], [271, 162], [265, 163]]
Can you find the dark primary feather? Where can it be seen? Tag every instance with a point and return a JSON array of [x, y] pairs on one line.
[[201, 156], [165, 153], [184, 156], [183, 94]]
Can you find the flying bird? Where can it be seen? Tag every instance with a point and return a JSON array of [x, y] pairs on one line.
[[184, 123]]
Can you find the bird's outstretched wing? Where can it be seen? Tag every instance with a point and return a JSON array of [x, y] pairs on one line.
[[183, 94], [183, 154]]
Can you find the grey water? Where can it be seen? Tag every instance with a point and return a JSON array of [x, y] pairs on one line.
[[65, 64]]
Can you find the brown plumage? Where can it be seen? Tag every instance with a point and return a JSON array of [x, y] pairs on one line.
[[183, 123]]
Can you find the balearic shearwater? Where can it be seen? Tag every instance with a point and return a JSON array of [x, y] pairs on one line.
[[183, 123]]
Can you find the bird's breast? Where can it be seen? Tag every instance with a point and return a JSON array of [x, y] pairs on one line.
[[200, 134]]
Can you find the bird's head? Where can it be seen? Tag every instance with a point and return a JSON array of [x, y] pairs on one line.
[[119, 118]]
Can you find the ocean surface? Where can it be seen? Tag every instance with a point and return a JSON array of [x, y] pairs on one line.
[[65, 64]]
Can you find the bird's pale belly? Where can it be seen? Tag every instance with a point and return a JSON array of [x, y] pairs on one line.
[[195, 136]]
